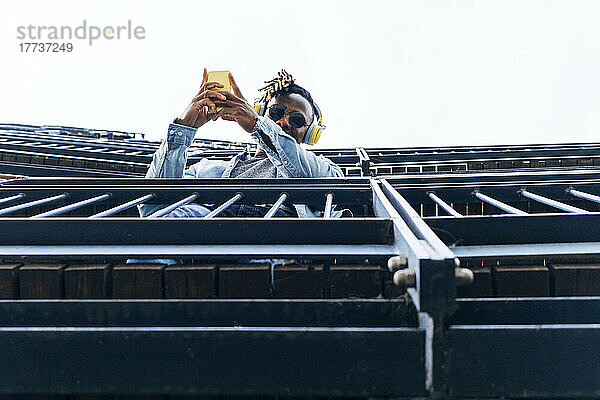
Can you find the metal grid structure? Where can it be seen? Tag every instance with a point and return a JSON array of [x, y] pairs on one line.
[[433, 232], [61, 131], [63, 151], [462, 272]]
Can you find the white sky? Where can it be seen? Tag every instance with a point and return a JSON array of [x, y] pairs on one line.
[[413, 73]]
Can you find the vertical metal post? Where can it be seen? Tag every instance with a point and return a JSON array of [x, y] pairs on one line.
[[496, 203], [276, 206], [552, 203], [168, 209], [445, 206], [74, 206], [364, 161], [435, 281], [328, 205], [223, 206], [12, 198], [34, 203], [123, 207], [583, 195]]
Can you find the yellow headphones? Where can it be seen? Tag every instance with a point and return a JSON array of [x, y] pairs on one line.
[[313, 133]]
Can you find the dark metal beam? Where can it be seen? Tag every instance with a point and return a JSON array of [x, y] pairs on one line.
[[534, 361], [517, 229], [194, 231], [515, 311], [231, 361], [208, 313]]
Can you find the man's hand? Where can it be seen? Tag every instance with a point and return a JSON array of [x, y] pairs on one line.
[[236, 108], [202, 108]]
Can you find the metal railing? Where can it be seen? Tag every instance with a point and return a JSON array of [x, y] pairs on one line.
[[427, 228], [65, 151]]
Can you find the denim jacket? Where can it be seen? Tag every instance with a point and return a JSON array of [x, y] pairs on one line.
[[290, 160]]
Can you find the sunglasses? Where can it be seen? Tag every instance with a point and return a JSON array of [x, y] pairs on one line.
[[277, 111]]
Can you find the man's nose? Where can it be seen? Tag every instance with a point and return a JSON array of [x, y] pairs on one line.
[[284, 123]]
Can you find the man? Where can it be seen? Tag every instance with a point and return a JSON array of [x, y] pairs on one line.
[[290, 112]]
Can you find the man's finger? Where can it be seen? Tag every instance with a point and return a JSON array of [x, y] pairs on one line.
[[226, 113], [210, 94], [204, 76], [223, 113], [217, 115], [234, 87], [232, 97], [210, 85], [204, 102], [227, 103]]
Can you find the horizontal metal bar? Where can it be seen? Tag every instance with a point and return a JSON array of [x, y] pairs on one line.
[[474, 154], [123, 207], [517, 229], [12, 198], [552, 203], [74, 206], [276, 206], [231, 361], [501, 177], [40, 131], [34, 203], [101, 151], [538, 310], [194, 231], [129, 144], [249, 183], [445, 206], [208, 313], [168, 209], [508, 182], [223, 206], [356, 253], [528, 250], [536, 361], [59, 171], [211, 191], [498, 204]]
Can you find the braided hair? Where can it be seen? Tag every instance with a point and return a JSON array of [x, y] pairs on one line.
[[283, 83]]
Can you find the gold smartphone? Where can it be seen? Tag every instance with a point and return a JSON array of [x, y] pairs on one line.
[[221, 77]]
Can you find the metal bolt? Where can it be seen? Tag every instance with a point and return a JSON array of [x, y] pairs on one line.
[[397, 262], [405, 278], [464, 276]]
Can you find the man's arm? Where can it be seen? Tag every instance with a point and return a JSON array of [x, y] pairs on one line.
[[170, 159]]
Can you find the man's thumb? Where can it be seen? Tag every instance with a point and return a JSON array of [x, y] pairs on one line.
[[234, 87]]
